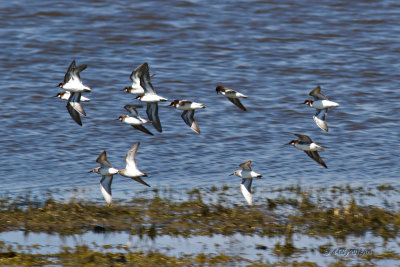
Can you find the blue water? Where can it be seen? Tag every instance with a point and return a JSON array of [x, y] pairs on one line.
[[275, 52]]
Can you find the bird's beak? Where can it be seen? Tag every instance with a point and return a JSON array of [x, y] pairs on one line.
[[231, 174]]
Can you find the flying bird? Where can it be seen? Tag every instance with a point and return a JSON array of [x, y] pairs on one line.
[[188, 108], [306, 144], [106, 171], [135, 120], [73, 84], [232, 95], [65, 96], [131, 170], [136, 88], [321, 104], [150, 97], [247, 175]]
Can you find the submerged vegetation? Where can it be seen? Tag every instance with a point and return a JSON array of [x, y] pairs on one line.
[[309, 214], [336, 212], [83, 255]]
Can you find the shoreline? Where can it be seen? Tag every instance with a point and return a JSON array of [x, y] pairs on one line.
[[291, 224]]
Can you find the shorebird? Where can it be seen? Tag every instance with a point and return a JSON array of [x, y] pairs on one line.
[[247, 176], [150, 97], [188, 108], [131, 170], [136, 88], [73, 84], [135, 120], [65, 96], [106, 171], [321, 104], [306, 144], [232, 95]]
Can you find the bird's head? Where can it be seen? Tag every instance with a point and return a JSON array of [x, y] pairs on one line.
[[308, 102], [59, 95], [95, 170], [293, 142], [174, 103], [219, 89]]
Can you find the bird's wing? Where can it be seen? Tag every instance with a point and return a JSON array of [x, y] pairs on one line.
[[304, 138], [237, 102], [102, 159], [188, 117], [319, 119], [132, 109], [145, 82], [68, 74], [245, 187], [246, 165], [316, 93], [229, 91], [135, 75], [130, 158], [152, 114], [105, 187], [139, 180], [75, 101], [184, 102], [315, 156], [77, 70], [142, 128], [74, 114]]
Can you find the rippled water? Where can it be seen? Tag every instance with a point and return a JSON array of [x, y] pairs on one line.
[[275, 52]]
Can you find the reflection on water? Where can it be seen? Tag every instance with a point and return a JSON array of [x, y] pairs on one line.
[[247, 247]]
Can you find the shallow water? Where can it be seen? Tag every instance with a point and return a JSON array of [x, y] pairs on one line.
[[283, 206], [273, 52], [236, 245]]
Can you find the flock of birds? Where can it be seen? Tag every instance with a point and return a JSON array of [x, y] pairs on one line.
[[143, 88]]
